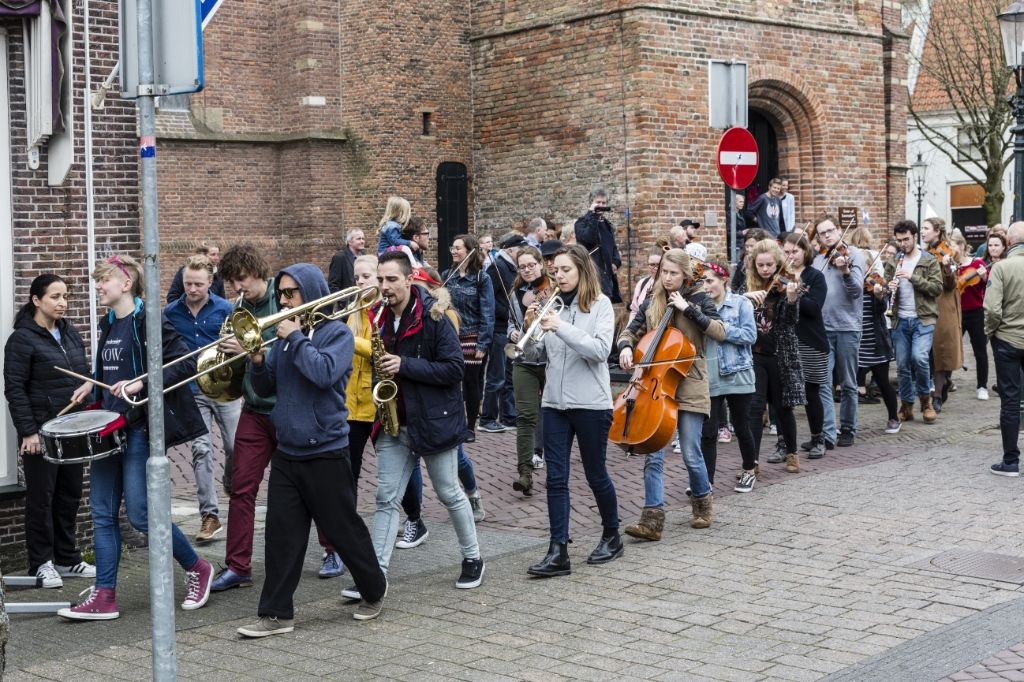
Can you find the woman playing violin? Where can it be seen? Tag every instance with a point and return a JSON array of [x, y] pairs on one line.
[[972, 276], [695, 316], [777, 368], [811, 340], [947, 340]]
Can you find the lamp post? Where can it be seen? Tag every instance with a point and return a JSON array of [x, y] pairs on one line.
[[918, 171], [1011, 25]]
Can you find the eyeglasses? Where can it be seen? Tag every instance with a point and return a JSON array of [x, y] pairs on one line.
[[825, 233], [531, 266], [288, 292], [423, 234], [904, 240]]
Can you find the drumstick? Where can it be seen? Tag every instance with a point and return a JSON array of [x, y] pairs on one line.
[[70, 405], [83, 378]]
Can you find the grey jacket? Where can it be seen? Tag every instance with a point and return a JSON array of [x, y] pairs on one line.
[[844, 306], [577, 371]]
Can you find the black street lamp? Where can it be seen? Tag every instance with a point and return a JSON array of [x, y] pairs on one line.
[[1011, 25], [916, 178]]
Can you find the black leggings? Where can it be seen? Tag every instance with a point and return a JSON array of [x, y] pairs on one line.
[[472, 389], [974, 325], [768, 381], [739, 403], [880, 373], [814, 408]]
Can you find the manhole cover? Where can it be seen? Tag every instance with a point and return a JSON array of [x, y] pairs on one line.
[[986, 565]]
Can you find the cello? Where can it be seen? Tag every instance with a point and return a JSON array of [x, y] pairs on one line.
[[646, 413]]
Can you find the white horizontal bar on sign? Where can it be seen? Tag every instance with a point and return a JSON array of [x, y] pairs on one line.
[[737, 158]]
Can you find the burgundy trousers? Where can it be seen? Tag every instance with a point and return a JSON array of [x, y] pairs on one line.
[[255, 443]]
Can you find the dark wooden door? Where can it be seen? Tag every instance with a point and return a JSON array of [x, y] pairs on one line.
[[452, 208], [767, 150]]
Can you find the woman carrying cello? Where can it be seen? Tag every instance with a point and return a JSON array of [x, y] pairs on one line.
[[696, 316]]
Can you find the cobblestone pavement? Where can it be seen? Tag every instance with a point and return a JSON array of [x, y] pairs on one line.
[[808, 577], [1006, 665]]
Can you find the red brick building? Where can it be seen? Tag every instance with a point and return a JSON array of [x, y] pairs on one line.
[[314, 113]]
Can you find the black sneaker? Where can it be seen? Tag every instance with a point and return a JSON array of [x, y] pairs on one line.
[[746, 482], [1002, 469], [491, 427], [472, 574], [866, 399], [415, 533], [845, 439]]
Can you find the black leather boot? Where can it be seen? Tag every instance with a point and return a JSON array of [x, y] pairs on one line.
[[555, 563], [609, 549]]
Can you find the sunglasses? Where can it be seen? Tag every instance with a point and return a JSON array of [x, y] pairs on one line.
[[288, 292]]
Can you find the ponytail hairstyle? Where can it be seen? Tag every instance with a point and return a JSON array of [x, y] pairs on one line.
[[37, 289]]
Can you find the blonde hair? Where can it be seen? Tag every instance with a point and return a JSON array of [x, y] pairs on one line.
[[199, 262], [589, 288], [355, 322], [397, 209], [568, 232], [659, 295], [861, 238], [770, 246], [125, 267]]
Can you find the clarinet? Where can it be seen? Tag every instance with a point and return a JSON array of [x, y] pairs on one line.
[[891, 312]]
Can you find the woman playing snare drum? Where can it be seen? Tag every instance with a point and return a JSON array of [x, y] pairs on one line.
[[36, 392]]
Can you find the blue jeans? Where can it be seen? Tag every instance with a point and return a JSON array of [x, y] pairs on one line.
[[499, 398], [590, 429], [466, 475], [110, 479], [844, 348], [1009, 361], [395, 464], [913, 340], [689, 429]]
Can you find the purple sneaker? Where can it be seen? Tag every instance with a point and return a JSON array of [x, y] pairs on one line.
[[198, 582], [101, 604]]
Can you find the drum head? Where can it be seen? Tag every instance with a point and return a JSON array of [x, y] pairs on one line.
[[79, 423]]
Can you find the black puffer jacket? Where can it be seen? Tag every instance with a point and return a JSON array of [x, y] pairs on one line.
[[182, 420], [35, 391]]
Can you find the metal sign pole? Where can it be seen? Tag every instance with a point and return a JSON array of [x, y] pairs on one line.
[[158, 482], [732, 227]]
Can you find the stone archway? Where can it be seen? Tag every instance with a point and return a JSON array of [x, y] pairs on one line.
[[782, 98]]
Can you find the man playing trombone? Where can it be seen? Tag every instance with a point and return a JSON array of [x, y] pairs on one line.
[[310, 478], [198, 316]]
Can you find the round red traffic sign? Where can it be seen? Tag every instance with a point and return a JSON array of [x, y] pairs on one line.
[[736, 158]]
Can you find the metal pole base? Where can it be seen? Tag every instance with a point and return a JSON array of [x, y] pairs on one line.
[[36, 606]]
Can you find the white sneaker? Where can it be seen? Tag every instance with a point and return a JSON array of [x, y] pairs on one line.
[[49, 575], [774, 430], [538, 461], [982, 393], [79, 570]]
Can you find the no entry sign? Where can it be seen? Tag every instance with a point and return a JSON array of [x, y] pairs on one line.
[[737, 158]]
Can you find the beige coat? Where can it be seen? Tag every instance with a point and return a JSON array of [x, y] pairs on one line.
[[947, 342]]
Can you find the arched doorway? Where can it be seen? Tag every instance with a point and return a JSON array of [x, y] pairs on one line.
[[768, 152]]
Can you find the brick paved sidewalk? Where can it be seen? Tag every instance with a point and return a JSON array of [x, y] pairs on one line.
[[1006, 665], [493, 456]]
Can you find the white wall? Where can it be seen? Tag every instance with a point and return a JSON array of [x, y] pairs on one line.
[[942, 173]]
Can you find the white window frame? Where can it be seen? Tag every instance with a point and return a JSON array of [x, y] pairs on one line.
[[8, 435]]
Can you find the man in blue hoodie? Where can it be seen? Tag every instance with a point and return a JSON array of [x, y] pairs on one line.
[[310, 476]]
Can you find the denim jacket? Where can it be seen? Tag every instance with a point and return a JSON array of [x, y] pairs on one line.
[[734, 354], [473, 299]]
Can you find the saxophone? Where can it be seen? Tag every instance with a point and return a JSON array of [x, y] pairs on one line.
[[386, 390]]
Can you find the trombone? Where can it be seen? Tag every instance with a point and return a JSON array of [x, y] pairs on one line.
[[534, 333], [248, 329]]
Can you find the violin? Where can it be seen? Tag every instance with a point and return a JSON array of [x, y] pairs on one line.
[[968, 278], [782, 282], [942, 249]]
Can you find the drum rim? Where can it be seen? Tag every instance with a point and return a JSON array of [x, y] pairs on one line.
[[72, 434]]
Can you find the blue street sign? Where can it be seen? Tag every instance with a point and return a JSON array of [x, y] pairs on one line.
[[209, 8]]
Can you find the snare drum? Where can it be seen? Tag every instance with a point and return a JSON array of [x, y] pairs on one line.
[[76, 438]]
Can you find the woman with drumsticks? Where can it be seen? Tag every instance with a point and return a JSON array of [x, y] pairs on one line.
[[122, 358], [36, 393], [696, 316]]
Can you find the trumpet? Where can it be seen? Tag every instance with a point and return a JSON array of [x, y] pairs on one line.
[[248, 330], [534, 333]]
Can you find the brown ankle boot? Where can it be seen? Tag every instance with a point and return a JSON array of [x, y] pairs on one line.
[[793, 463], [927, 411], [525, 483], [652, 522], [701, 511], [906, 413]]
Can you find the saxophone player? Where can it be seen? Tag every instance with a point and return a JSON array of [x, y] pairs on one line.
[[310, 475], [424, 358]]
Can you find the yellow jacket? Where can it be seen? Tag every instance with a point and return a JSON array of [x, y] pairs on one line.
[[358, 397]]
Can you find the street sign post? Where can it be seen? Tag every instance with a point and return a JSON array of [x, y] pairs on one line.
[[177, 47], [727, 93], [736, 158]]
